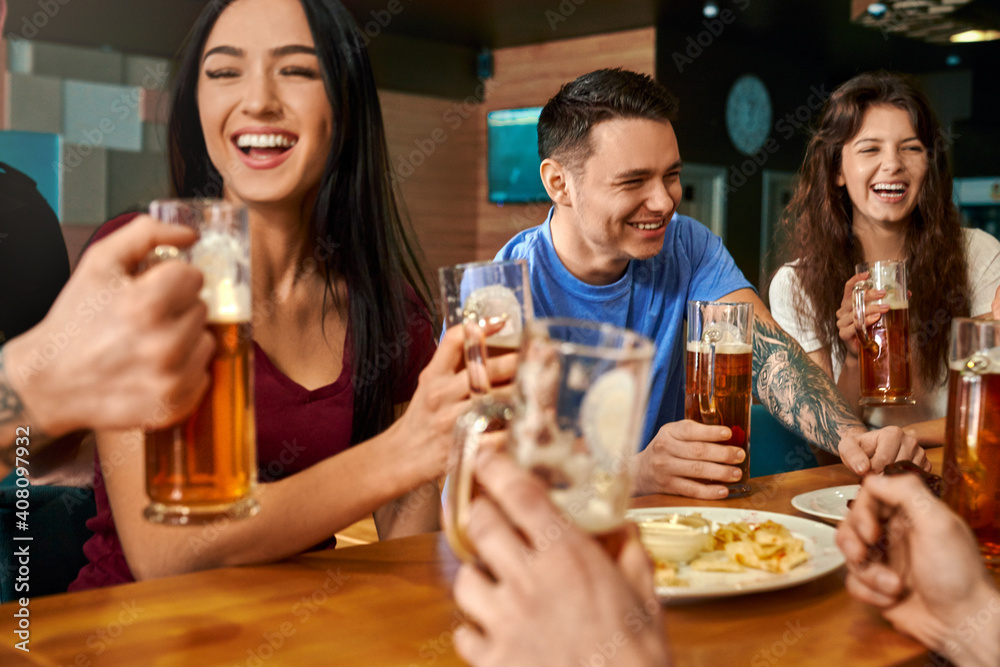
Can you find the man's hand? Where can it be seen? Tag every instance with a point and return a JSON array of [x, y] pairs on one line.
[[553, 596], [929, 581], [684, 458], [872, 451], [117, 350], [995, 306]]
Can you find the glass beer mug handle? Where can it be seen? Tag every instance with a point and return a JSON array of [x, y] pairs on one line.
[[475, 357], [972, 391], [706, 402], [859, 313]]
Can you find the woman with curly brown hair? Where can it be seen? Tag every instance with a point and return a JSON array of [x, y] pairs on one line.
[[875, 185]]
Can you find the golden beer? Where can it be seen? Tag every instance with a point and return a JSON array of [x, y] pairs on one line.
[[885, 360], [971, 467], [208, 462], [732, 396], [205, 467]]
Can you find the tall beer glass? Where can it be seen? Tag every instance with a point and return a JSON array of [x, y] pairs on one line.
[[492, 302], [884, 347], [972, 431], [205, 468], [719, 367], [579, 406]]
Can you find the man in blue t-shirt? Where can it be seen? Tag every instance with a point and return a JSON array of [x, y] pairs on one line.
[[614, 249]]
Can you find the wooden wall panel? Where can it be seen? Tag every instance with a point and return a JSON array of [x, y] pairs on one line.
[[435, 158], [528, 76]]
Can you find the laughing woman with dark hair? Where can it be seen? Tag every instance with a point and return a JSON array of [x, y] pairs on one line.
[[875, 185], [275, 108]]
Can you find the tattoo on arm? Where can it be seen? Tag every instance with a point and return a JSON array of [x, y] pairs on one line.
[[12, 413], [797, 391]]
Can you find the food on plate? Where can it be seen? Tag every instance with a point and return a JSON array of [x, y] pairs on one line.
[[767, 546]]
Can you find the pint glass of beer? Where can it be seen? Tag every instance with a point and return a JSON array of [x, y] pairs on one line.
[[719, 366], [492, 300], [972, 431], [884, 347], [205, 468]]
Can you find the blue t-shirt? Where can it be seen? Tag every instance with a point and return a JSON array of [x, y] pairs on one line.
[[651, 298]]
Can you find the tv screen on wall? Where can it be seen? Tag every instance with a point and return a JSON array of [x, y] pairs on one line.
[[512, 156]]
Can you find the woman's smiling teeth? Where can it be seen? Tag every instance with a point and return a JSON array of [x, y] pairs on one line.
[[247, 141], [890, 191]]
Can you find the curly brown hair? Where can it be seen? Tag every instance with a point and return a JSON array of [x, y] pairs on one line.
[[817, 223]]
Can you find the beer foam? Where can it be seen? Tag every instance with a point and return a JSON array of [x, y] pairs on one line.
[[224, 262], [720, 348], [495, 302], [592, 515], [606, 409]]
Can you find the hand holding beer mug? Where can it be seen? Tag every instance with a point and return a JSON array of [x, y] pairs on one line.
[[884, 347], [580, 402], [719, 374], [972, 431], [205, 467], [492, 302]]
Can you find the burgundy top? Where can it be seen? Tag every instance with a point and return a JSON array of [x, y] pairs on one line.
[[296, 428]]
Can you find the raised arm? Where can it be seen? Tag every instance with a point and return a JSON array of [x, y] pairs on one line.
[[800, 395], [115, 350]]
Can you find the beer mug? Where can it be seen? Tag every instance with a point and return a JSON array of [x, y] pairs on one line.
[[205, 468], [492, 300], [719, 367], [884, 347], [579, 405], [972, 431]]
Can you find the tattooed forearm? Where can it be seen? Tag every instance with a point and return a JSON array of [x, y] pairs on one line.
[[12, 413], [11, 408], [796, 391]]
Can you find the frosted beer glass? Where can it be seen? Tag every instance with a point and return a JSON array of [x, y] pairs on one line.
[[205, 467], [579, 406], [719, 367], [492, 300], [972, 431], [884, 347]]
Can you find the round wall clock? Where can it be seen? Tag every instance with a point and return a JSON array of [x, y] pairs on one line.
[[748, 114]]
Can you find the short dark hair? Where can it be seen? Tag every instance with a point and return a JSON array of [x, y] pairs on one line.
[[567, 119]]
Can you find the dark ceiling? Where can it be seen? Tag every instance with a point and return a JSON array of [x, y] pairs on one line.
[[431, 45]]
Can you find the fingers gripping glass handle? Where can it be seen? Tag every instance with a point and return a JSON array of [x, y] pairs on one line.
[[859, 316]]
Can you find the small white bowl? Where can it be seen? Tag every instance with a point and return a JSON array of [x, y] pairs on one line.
[[678, 538]]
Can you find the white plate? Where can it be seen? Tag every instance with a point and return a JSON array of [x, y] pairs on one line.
[[829, 504], [818, 539]]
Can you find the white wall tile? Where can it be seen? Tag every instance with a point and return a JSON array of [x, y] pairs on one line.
[[102, 115]]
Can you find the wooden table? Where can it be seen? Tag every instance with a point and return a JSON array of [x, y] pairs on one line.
[[390, 604]]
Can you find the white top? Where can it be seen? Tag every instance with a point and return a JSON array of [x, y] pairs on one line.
[[982, 252]]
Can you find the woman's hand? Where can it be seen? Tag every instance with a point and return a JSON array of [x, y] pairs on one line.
[[845, 314], [427, 428]]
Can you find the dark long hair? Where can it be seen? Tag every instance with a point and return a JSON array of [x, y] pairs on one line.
[[817, 223], [355, 211]]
